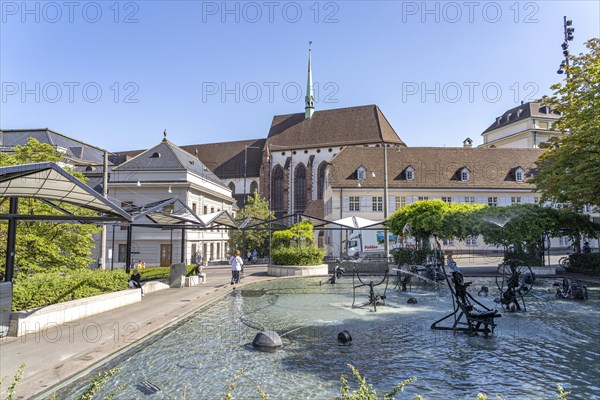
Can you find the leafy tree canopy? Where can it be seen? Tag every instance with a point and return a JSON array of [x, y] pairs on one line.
[[40, 245], [299, 233], [258, 208], [569, 169], [525, 225], [427, 218]]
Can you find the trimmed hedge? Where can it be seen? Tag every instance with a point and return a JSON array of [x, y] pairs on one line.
[[43, 289], [304, 255], [585, 263]]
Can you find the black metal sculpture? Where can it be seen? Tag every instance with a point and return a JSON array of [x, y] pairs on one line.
[[514, 281], [430, 273], [375, 299], [475, 320], [568, 290]]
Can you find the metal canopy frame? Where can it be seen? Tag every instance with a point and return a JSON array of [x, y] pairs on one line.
[[183, 218], [154, 212], [49, 183], [318, 223]]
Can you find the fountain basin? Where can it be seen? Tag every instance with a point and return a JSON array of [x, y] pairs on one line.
[[297, 270]]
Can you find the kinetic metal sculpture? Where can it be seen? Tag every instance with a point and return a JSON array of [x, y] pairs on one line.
[[568, 290], [375, 299], [514, 281], [467, 318]]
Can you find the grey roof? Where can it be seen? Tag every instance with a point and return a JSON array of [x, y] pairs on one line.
[[166, 156], [227, 159], [535, 109], [75, 149]]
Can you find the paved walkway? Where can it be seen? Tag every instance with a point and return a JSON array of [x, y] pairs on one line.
[[60, 352]]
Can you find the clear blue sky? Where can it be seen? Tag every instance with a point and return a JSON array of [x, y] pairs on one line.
[[434, 68]]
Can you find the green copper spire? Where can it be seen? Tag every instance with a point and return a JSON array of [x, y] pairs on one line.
[[309, 108]]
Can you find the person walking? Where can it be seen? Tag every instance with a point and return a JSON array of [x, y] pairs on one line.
[[236, 266]]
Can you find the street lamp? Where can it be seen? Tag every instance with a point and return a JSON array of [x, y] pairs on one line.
[[385, 202], [568, 30]]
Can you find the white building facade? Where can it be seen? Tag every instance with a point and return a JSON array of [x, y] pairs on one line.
[[160, 173]]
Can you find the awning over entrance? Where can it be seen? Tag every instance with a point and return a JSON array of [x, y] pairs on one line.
[[48, 181]]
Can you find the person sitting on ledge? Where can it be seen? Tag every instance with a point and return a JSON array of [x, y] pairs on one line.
[[451, 263], [134, 281], [199, 271]]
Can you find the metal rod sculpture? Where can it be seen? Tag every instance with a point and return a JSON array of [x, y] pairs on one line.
[[514, 281], [572, 291], [374, 298], [475, 320]]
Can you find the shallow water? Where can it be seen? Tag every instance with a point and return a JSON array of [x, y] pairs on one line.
[[555, 341]]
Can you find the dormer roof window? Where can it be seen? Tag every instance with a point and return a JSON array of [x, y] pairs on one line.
[[361, 173], [508, 116], [520, 175], [409, 173], [465, 174], [156, 154], [519, 112]]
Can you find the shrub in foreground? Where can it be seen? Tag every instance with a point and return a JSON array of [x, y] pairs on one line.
[[45, 288]]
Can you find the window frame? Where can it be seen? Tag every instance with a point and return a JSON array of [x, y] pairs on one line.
[[377, 203], [409, 173], [354, 203]]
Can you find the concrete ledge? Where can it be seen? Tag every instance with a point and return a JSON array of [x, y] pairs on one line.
[[154, 286], [297, 270], [191, 281], [544, 271], [24, 322]]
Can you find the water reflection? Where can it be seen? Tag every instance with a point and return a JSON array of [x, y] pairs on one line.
[[556, 341]]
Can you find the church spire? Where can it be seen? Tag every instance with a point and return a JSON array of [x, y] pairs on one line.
[[309, 108]]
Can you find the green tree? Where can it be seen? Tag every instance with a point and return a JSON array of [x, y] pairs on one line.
[[256, 208], [295, 246], [434, 218], [297, 235], [569, 169], [44, 246], [523, 226]]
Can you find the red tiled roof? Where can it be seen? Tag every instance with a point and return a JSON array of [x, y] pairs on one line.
[[337, 127]]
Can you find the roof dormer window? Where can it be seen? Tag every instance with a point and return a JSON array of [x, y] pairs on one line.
[[508, 116], [465, 174], [409, 173], [156, 154], [519, 112], [361, 173], [520, 174]]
